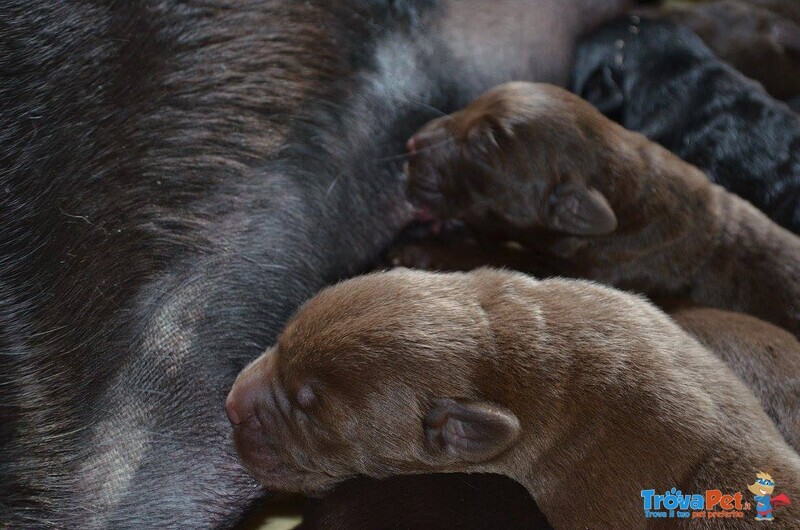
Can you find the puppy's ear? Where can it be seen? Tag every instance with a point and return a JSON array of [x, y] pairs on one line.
[[486, 133], [602, 90], [470, 431], [579, 210]]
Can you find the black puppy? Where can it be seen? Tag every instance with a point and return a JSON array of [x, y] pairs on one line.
[[661, 80], [760, 38]]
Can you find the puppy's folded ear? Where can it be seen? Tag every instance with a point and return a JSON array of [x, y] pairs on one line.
[[601, 89], [579, 210], [470, 431]]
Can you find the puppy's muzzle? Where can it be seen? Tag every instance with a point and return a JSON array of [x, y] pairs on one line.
[[252, 424], [243, 397]]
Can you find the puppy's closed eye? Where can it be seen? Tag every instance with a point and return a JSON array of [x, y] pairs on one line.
[[307, 396]]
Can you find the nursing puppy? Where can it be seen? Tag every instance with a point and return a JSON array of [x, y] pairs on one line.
[[534, 164], [661, 80], [760, 38], [561, 385], [763, 356]]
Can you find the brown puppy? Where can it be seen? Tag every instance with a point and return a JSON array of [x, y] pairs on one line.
[[766, 359], [562, 385], [761, 38], [537, 165]]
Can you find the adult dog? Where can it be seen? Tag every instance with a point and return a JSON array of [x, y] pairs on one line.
[[177, 176]]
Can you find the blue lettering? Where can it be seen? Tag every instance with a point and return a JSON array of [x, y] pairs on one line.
[[674, 499], [671, 499], [697, 502], [647, 495]]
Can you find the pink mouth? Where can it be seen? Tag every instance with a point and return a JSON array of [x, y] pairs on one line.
[[435, 224], [425, 215], [411, 146]]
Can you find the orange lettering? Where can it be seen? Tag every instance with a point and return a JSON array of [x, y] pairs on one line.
[[712, 498], [737, 498]]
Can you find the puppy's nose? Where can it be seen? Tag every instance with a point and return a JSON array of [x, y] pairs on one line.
[[243, 397]]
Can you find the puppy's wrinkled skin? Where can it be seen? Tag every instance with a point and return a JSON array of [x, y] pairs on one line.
[[760, 38], [563, 386], [663, 81], [537, 165]]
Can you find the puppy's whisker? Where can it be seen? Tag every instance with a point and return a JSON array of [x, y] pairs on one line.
[[391, 158], [437, 144], [424, 105], [421, 104], [421, 150]]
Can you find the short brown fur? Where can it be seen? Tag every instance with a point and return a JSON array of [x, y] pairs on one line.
[[608, 395], [537, 165]]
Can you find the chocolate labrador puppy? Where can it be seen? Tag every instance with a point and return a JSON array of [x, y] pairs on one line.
[[561, 385], [534, 164], [764, 357], [662, 80]]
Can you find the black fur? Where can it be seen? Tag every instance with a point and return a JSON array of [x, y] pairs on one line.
[[175, 178], [661, 80], [147, 252]]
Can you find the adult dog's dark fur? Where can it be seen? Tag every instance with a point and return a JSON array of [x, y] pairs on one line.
[[661, 80], [155, 235]]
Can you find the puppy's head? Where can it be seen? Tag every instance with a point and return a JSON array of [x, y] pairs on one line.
[[380, 375], [523, 154]]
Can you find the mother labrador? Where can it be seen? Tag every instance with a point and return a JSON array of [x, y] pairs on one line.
[[177, 176]]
